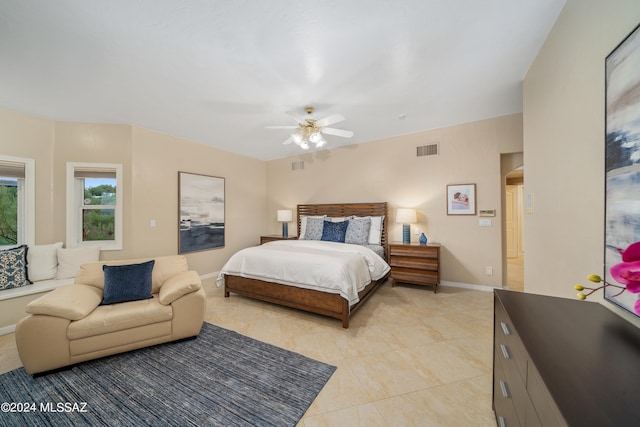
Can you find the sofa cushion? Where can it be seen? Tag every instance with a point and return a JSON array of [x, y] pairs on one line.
[[71, 302], [117, 317], [130, 282], [178, 286], [70, 260], [13, 268], [43, 261], [165, 267]]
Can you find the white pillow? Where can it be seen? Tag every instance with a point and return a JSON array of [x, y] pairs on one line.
[[375, 231], [303, 224], [42, 261], [70, 260]]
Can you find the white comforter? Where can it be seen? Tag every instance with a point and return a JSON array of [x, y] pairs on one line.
[[338, 268]]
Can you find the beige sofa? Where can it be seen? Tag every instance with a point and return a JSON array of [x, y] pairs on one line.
[[68, 325]]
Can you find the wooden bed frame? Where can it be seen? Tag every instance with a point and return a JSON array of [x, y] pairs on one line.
[[310, 300]]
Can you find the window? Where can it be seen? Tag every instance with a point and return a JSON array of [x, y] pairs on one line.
[[94, 205], [17, 201]]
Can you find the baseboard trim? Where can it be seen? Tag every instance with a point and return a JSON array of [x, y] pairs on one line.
[[209, 275], [482, 288], [6, 330]]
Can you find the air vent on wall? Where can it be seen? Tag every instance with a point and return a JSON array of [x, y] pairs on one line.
[[428, 150], [297, 165]]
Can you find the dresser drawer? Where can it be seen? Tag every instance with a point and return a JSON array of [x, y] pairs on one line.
[[508, 343], [502, 402], [414, 262], [531, 418], [414, 251], [547, 411], [414, 276]]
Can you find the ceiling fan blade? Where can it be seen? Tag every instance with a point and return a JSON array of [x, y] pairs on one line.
[[288, 141], [337, 132], [297, 118], [334, 118], [281, 127]]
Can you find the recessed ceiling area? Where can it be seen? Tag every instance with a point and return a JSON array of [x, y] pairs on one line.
[[217, 72]]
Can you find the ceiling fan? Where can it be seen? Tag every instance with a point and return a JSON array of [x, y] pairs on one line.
[[310, 130]]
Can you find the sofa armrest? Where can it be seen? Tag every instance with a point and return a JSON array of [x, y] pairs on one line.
[[179, 285], [72, 302]]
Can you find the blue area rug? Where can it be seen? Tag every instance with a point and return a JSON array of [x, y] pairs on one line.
[[221, 378]]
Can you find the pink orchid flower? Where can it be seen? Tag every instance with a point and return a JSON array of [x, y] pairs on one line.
[[632, 253], [627, 273]]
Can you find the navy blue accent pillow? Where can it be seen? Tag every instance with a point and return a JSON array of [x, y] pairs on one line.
[[334, 231], [130, 282]]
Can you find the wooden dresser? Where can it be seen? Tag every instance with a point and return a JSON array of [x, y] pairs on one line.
[[415, 263], [563, 362]]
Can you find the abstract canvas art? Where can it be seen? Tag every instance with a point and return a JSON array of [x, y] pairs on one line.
[[201, 212], [622, 169]]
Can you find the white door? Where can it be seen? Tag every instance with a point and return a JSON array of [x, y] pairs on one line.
[[512, 221]]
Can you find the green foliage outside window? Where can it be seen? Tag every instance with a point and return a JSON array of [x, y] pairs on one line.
[[99, 224], [100, 195], [8, 215]]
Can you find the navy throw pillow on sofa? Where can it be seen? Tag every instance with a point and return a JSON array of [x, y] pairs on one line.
[[334, 231], [129, 282]]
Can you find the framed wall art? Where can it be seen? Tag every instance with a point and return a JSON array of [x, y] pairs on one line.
[[622, 169], [461, 199], [201, 214]]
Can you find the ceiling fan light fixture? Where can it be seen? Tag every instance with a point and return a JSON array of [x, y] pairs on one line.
[[310, 130], [315, 137]]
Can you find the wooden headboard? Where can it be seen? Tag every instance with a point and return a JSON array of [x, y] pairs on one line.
[[347, 209]]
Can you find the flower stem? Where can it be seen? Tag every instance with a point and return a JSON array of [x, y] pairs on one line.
[[605, 284]]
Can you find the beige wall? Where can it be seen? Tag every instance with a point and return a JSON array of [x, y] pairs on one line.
[[564, 144], [91, 143], [157, 159], [32, 138], [151, 162], [389, 170]]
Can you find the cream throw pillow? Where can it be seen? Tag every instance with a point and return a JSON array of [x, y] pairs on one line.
[[43, 261], [70, 260], [375, 231]]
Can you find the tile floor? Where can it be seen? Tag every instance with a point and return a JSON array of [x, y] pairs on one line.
[[409, 358]]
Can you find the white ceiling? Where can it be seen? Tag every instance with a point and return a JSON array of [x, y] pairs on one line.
[[218, 71]]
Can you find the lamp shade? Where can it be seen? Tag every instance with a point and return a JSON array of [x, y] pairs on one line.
[[406, 216], [285, 215]]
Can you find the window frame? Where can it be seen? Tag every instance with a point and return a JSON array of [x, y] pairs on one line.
[[75, 207], [26, 201]]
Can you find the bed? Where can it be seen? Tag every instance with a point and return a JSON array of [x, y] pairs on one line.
[[322, 301]]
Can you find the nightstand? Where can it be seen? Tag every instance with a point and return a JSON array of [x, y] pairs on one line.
[[272, 237], [415, 263]]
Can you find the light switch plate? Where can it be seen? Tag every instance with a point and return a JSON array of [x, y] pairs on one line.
[[485, 222]]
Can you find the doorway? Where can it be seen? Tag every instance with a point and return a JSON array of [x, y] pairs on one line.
[[514, 196]]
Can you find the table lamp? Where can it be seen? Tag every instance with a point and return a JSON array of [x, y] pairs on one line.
[[406, 217], [285, 216]]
